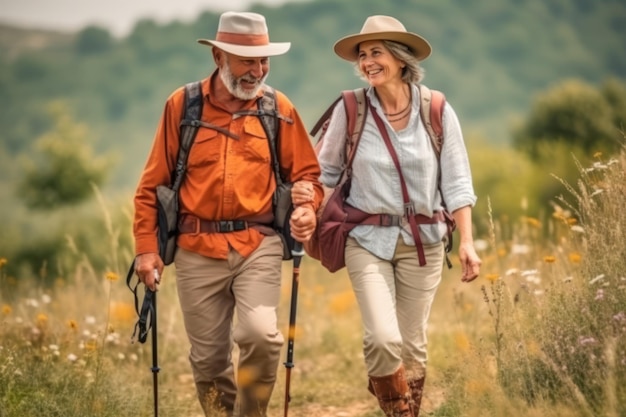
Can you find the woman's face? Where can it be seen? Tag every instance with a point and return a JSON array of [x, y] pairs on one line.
[[378, 64]]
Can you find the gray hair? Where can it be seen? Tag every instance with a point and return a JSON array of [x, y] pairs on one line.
[[412, 73]]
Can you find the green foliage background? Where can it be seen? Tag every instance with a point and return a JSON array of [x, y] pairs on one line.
[[491, 58]]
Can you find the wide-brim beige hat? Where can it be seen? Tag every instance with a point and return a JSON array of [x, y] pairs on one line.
[[245, 34], [382, 28]]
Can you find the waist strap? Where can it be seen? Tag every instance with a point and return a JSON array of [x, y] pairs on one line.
[[192, 224], [362, 218]]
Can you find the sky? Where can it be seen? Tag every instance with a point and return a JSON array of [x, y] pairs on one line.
[[118, 16]]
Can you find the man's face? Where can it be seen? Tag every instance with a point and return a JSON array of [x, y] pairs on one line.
[[243, 76]]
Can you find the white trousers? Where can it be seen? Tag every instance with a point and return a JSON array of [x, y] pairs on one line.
[[395, 298]]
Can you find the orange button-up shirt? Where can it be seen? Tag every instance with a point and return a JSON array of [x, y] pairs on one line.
[[226, 179]]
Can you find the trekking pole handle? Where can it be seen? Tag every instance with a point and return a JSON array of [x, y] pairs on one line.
[[297, 249]]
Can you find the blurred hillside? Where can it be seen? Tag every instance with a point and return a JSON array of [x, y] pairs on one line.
[[490, 58]]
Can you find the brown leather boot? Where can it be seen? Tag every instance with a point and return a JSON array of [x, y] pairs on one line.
[[392, 392], [416, 387]]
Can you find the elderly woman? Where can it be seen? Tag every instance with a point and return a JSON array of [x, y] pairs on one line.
[[394, 286]]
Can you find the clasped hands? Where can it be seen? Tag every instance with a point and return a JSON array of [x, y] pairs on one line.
[[303, 219]]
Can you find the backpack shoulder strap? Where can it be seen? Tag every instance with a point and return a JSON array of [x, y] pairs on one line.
[[268, 112], [355, 102], [431, 112], [189, 124]]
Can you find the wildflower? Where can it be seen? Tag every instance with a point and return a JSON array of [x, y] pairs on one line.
[[72, 324], [6, 309], [31, 302], [121, 356], [596, 192], [511, 271], [481, 244], [520, 249], [3, 262], [91, 345], [72, 358], [90, 320], [529, 272], [577, 229], [42, 319], [575, 257], [596, 279], [599, 295], [549, 259], [583, 341], [46, 299], [134, 357], [501, 252], [492, 277], [597, 154], [571, 221], [531, 221], [112, 276]]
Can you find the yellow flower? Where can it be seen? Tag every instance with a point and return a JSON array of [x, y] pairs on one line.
[[597, 154], [572, 221], [6, 309], [533, 222], [42, 319], [501, 252], [575, 257], [492, 277], [112, 276], [91, 345], [549, 259], [3, 262]]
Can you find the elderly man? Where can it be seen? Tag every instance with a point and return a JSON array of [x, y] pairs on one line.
[[236, 270]]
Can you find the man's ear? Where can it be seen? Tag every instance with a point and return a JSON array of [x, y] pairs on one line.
[[218, 56]]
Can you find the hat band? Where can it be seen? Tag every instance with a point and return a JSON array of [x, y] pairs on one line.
[[243, 39]]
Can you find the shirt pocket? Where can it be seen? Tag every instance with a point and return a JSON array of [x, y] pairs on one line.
[[255, 145], [205, 149]]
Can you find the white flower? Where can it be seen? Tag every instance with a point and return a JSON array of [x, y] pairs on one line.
[[481, 244], [596, 279], [577, 229], [46, 299], [520, 249], [72, 358]]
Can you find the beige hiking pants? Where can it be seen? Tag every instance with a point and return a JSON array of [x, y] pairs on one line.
[[232, 301], [394, 298]]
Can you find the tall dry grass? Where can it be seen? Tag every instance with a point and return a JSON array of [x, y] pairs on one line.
[[542, 332]]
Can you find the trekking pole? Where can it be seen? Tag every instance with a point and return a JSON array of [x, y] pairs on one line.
[[297, 253], [155, 367]]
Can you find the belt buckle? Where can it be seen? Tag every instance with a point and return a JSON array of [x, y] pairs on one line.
[[225, 226]]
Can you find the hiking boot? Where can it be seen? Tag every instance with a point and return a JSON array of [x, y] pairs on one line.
[[416, 388], [392, 392]]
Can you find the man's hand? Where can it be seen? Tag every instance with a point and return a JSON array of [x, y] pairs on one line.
[[302, 192], [302, 223], [149, 267], [470, 262]]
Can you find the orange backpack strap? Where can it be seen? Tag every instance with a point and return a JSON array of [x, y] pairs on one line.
[[431, 111]]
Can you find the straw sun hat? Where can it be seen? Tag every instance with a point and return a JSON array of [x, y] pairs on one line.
[[245, 34], [382, 28]]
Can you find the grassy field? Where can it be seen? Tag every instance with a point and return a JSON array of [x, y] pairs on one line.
[[542, 332]]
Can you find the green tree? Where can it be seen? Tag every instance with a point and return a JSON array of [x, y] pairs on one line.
[[64, 170], [93, 40], [574, 113]]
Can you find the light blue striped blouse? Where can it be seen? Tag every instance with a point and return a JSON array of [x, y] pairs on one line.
[[375, 182]]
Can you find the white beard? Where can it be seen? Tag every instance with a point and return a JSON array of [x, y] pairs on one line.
[[233, 85]]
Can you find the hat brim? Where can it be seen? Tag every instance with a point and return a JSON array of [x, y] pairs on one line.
[[347, 47], [271, 49]]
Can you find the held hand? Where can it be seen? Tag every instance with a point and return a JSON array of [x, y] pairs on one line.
[[302, 223], [149, 267], [302, 192], [470, 262]]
